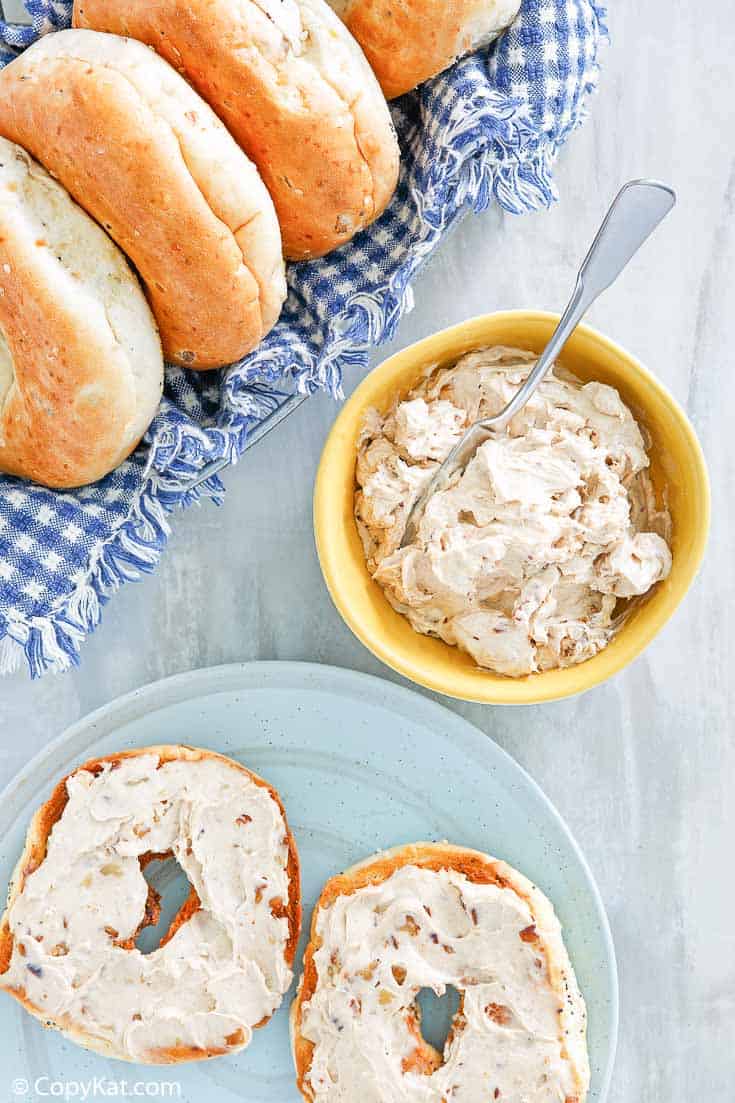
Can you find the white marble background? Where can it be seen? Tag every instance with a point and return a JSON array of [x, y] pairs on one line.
[[641, 768]]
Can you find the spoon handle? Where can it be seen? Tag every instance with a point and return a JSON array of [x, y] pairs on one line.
[[635, 213]]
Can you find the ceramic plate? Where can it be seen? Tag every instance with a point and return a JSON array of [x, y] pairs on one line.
[[361, 765]]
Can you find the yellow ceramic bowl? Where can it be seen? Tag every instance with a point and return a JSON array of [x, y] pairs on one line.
[[676, 463]]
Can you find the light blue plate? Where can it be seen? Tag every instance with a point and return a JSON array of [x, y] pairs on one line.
[[361, 765]]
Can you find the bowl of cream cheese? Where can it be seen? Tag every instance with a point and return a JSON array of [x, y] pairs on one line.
[[561, 550]]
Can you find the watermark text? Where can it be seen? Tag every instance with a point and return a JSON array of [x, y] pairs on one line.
[[98, 1087]]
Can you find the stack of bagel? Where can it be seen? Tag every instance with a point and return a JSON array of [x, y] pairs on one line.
[[207, 142]]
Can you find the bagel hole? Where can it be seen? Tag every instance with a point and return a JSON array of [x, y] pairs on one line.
[[168, 880], [437, 1015]]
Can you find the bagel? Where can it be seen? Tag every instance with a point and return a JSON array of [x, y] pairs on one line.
[[148, 159], [78, 900], [81, 368], [407, 42], [294, 89], [430, 916]]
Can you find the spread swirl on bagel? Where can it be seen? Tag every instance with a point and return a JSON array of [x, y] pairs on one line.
[[79, 900], [431, 916]]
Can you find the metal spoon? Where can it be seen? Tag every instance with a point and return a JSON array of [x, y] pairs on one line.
[[636, 212]]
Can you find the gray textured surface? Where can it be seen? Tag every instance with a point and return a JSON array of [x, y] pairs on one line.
[[642, 768]]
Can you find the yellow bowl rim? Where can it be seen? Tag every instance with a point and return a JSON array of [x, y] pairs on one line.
[[504, 691]]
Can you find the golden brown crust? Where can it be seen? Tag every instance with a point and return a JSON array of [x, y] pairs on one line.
[[46, 436], [327, 180], [476, 867], [82, 382], [404, 45], [34, 853], [130, 171]]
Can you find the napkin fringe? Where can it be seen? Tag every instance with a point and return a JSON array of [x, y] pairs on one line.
[[52, 644], [600, 11], [502, 157], [495, 152], [492, 160]]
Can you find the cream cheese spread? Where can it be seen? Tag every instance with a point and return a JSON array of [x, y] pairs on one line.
[[221, 973], [523, 559], [419, 928]]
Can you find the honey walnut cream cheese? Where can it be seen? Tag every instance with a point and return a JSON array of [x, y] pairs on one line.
[[523, 560], [429, 916], [79, 898]]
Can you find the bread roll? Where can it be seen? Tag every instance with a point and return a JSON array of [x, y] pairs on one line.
[[78, 900], [294, 89], [146, 157], [81, 367], [433, 915], [408, 42]]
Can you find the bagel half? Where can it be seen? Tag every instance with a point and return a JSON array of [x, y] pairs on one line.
[[148, 159], [408, 41], [37, 933], [294, 89], [81, 368], [343, 970]]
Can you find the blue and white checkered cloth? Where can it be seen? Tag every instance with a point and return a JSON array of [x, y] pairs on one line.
[[489, 129]]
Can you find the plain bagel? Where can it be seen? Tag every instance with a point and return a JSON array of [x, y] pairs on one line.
[[81, 368], [294, 89], [139, 149], [408, 41], [78, 900], [431, 915]]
